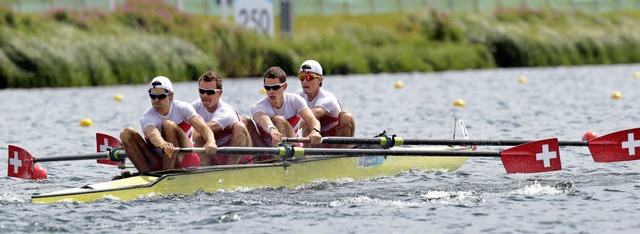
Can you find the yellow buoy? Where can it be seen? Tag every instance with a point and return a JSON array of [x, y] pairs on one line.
[[398, 85], [459, 102], [118, 97], [616, 95], [263, 91], [86, 122], [636, 74], [522, 79]]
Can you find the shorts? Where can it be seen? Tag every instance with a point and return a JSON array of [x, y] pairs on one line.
[[190, 160]]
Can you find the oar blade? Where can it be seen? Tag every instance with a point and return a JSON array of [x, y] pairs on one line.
[[21, 163], [532, 157], [617, 146], [104, 143]]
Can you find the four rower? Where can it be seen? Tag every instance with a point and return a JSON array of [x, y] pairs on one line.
[[167, 124]]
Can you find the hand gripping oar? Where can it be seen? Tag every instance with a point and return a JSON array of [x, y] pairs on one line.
[[531, 157], [613, 147], [537, 156]]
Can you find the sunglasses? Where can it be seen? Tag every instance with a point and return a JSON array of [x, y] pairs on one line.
[[308, 77], [209, 91], [274, 87], [158, 96]]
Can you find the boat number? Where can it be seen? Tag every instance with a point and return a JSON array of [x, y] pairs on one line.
[[370, 161]]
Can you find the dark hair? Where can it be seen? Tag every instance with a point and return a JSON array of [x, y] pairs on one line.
[[211, 76], [275, 72]]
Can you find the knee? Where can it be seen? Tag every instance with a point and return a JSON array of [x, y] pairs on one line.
[[278, 119], [127, 134], [248, 122], [168, 124], [345, 117]]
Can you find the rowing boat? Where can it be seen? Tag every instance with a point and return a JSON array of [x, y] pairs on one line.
[[300, 166], [289, 174]]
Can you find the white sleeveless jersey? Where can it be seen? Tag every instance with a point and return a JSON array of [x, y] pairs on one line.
[[180, 113]]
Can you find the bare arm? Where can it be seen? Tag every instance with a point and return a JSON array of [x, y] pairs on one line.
[[318, 112], [264, 121], [154, 136], [312, 123], [199, 125]]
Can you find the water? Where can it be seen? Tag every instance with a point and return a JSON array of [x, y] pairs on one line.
[[585, 197]]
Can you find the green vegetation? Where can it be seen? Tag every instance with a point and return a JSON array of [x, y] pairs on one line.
[[146, 38]]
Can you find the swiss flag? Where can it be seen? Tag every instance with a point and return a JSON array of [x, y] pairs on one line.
[[20, 163], [104, 143], [615, 147], [537, 156]]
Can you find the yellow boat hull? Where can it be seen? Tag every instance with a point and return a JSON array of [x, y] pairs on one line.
[[231, 177]]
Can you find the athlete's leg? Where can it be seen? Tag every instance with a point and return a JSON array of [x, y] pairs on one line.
[[256, 138], [346, 124], [138, 152]]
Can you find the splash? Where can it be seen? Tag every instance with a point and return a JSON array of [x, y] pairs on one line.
[[11, 198], [537, 190], [453, 197], [366, 201]]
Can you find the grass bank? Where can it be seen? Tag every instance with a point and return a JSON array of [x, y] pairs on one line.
[[146, 38]]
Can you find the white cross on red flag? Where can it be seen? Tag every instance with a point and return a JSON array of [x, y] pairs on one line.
[[532, 157], [615, 147]]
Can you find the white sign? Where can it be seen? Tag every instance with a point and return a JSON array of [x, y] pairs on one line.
[[255, 14]]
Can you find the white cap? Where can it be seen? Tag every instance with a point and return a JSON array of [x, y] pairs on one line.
[[165, 83], [311, 66]]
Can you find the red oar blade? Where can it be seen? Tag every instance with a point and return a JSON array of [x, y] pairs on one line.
[[532, 157], [104, 143], [20, 163], [615, 147]]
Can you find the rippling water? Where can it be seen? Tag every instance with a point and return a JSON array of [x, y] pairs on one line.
[[480, 197]]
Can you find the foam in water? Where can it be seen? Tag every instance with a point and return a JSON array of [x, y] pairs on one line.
[[537, 190], [366, 201], [453, 197]]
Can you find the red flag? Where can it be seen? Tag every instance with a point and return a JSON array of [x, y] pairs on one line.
[[615, 147], [537, 156], [20, 163], [104, 143]]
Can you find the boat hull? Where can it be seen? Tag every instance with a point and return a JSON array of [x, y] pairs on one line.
[[231, 177]]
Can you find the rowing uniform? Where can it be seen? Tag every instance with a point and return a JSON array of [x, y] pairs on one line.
[[292, 106], [180, 113], [225, 116], [329, 102]]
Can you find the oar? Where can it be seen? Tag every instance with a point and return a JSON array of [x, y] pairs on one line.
[[537, 156], [613, 147], [531, 157]]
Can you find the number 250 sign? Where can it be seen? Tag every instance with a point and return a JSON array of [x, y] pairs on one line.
[[255, 14]]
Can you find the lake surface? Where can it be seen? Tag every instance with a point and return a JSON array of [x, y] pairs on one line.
[[480, 197]]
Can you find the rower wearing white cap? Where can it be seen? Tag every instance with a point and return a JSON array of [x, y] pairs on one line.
[[165, 125], [334, 120]]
